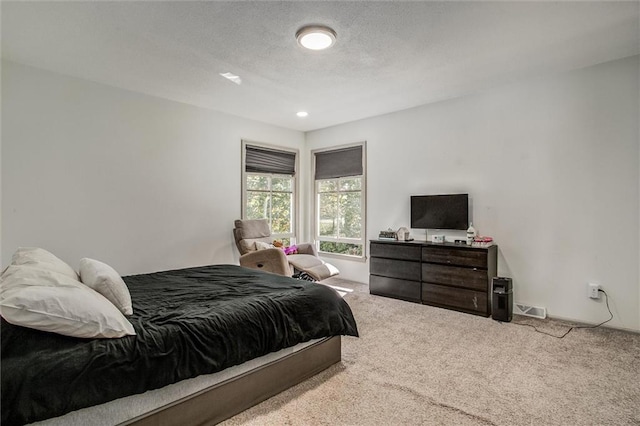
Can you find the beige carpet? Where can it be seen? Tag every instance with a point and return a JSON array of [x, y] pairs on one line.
[[418, 365]]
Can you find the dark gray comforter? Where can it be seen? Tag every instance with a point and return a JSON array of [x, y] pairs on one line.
[[188, 322]]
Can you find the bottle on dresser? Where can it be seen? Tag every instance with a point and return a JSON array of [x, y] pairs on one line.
[[471, 234]]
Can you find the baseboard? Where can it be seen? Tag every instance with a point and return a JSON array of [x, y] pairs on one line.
[[588, 324]]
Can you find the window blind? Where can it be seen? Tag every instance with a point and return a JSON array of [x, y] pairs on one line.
[[265, 160], [339, 163]]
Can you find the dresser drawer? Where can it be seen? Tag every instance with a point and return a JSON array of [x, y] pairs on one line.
[[395, 251], [395, 268], [455, 256], [475, 279], [393, 287], [457, 298]]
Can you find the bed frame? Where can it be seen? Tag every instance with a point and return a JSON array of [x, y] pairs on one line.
[[226, 399]]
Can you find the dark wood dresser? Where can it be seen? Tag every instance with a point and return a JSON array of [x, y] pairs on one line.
[[446, 275]]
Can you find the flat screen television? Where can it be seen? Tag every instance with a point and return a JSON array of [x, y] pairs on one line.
[[440, 211]]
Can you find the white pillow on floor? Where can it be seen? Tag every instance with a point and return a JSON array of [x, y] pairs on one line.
[[106, 281]]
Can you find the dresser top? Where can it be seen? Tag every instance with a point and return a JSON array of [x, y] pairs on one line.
[[430, 244]]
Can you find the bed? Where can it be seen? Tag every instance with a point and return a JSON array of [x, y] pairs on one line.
[[188, 323]]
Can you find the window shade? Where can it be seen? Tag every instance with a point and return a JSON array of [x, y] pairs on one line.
[[265, 160], [339, 163]]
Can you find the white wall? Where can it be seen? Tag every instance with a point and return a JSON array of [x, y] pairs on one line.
[[141, 183], [551, 166], [147, 184]]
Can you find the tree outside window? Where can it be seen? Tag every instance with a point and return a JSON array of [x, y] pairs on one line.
[[269, 188], [339, 191], [340, 215], [271, 197]]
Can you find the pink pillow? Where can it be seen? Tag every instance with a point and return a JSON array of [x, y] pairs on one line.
[[291, 250]]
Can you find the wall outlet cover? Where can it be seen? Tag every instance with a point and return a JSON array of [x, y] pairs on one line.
[[593, 291]]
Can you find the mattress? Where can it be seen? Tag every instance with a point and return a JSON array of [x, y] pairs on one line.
[[188, 322]]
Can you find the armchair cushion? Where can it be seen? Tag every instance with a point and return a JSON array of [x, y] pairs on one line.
[[268, 260], [307, 248], [248, 232], [312, 265], [303, 261], [322, 271], [252, 228]]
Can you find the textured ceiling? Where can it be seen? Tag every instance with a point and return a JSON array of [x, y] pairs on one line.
[[388, 56]]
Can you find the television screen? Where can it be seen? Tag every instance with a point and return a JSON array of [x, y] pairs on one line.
[[440, 211]]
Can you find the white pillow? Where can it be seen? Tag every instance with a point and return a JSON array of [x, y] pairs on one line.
[[53, 302], [106, 281], [35, 275], [263, 246], [41, 258]]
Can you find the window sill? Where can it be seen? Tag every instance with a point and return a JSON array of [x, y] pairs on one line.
[[361, 259]]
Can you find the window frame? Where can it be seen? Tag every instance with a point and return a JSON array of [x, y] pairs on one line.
[[294, 187], [363, 205]]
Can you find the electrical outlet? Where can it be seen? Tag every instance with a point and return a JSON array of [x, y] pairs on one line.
[[593, 291]]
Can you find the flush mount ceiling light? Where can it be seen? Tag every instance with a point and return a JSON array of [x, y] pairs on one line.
[[302, 114], [316, 37]]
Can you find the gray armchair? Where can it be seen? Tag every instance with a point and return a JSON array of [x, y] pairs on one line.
[[251, 234]]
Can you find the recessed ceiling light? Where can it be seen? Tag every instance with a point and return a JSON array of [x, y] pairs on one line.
[[232, 77], [302, 114], [316, 37]]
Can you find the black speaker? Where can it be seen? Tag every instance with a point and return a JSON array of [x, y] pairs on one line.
[[502, 302]]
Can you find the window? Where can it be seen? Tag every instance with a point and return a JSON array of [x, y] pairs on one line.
[[269, 189], [340, 200]]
